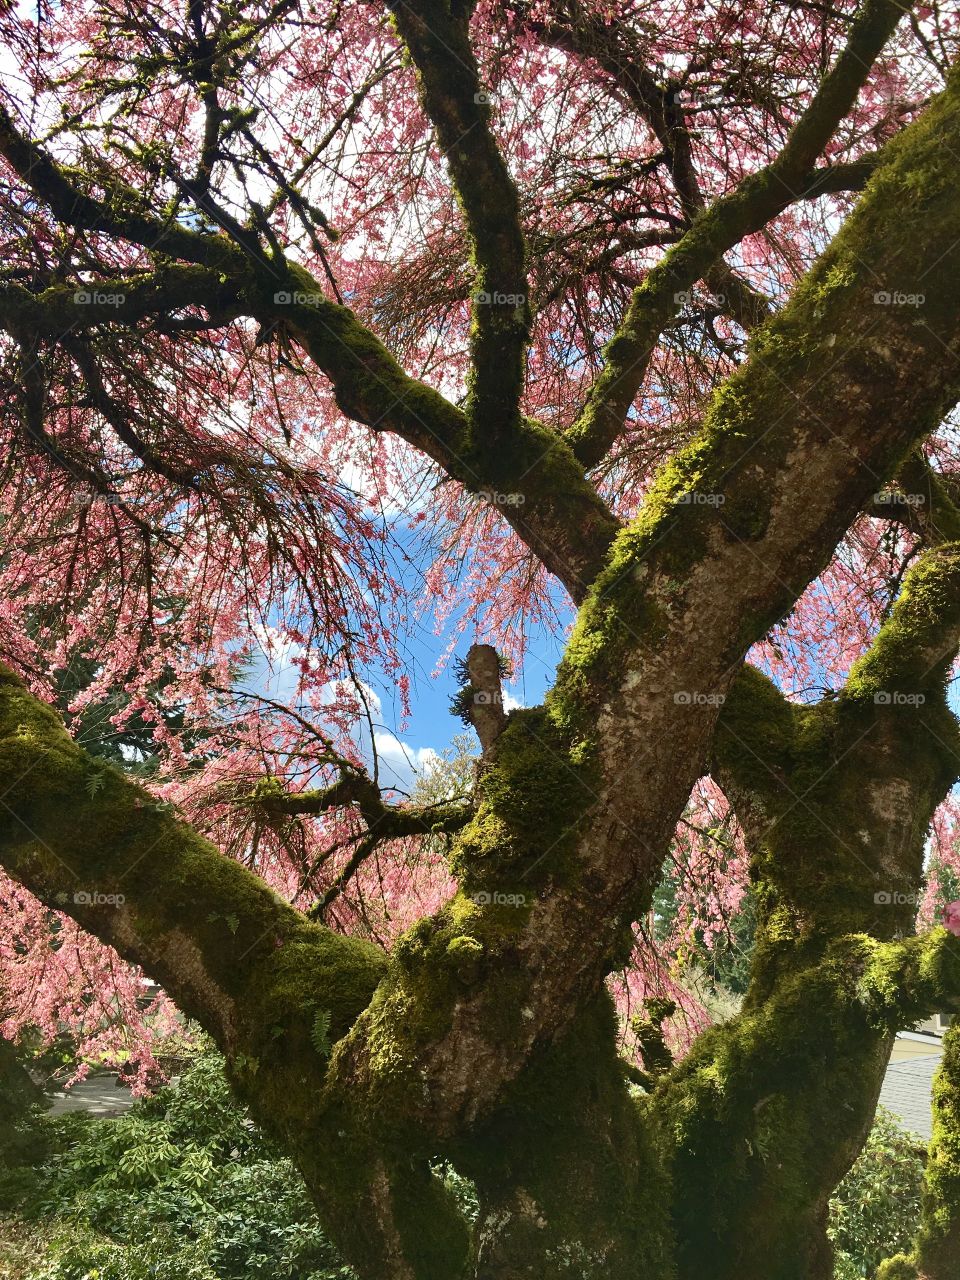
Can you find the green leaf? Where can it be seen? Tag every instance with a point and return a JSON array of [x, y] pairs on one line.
[[320, 1033], [95, 783]]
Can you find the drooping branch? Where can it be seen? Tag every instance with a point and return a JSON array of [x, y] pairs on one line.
[[124, 218], [532, 477], [356, 791], [658, 103], [724, 224]]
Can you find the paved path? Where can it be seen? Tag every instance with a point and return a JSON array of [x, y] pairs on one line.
[[100, 1095]]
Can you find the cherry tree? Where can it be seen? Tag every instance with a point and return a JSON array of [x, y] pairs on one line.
[[324, 325]]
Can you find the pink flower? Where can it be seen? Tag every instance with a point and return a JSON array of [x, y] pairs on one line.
[[951, 918]]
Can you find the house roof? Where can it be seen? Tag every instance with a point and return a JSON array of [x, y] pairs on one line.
[[906, 1092]]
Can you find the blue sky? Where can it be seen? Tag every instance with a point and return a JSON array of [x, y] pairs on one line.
[[430, 728], [403, 748]]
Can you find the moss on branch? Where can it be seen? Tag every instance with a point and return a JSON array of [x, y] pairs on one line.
[[438, 41], [760, 197], [93, 844]]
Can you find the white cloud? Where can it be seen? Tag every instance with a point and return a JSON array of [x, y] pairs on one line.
[[399, 763], [272, 672]]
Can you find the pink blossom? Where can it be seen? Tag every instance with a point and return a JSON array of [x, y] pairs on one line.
[[951, 918]]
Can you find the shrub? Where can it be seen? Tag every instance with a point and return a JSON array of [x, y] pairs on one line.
[[81, 1255], [182, 1187], [875, 1211]]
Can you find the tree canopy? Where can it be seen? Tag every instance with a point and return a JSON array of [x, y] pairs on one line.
[[325, 326]]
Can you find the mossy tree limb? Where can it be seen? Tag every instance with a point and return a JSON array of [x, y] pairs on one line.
[[938, 1246], [937, 1252], [835, 801], [436, 36], [249, 967], [718, 229], [88, 841]]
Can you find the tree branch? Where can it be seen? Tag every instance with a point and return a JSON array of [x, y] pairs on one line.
[[438, 41], [123, 219], [92, 844], [724, 224], [535, 484], [385, 821]]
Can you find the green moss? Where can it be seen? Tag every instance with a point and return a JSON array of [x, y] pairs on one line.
[[466, 955], [537, 787], [756, 1096], [899, 1268], [739, 455], [938, 1245], [745, 1116], [308, 972], [911, 655], [435, 1234], [569, 1181], [461, 948], [756, 737]]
